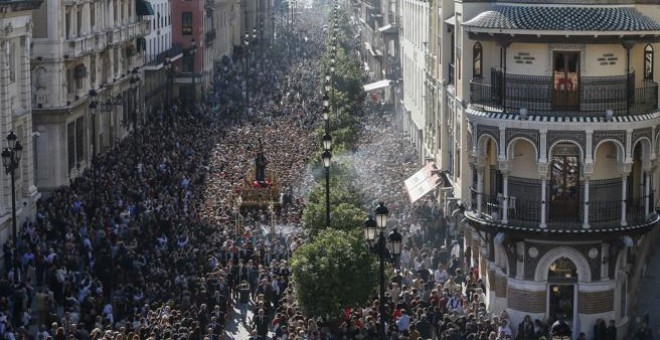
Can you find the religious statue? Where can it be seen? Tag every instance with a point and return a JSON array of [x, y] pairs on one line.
[[260, 163]]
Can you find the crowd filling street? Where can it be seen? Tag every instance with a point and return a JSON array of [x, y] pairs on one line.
[[148, 243]]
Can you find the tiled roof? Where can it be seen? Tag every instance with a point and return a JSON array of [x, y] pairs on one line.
[[554, 18]]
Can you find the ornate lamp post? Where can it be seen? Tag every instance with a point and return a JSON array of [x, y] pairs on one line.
[[193, 50], [135, 84], [374, 233], [11, 156], [246, 42], [327, 157]]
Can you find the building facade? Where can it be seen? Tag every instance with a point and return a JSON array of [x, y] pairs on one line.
[[86, 81], [16, 107], [159, 58], [414, 40], [548, 128], [381, 51]]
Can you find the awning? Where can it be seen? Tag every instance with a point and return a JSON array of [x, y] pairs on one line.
[[423, 181], [388, 29], [384, 28], [451, 20], [381, 84], [143, 7]]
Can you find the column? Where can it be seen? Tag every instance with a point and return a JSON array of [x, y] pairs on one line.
[[544, 188], [647, 193], [505, 202], [624, 190], [585, 223], [23, 72], [480, 189]]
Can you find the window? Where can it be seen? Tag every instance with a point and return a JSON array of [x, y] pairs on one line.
[[477, 61], [79, 22], [67, 18], [186, 23], [648, 62], [12, 62], [92, 16], [75, 142], [71, 144], [92, 70], [80, 133]]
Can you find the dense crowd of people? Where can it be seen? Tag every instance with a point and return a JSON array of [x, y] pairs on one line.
[[150, 241], [143, 245]]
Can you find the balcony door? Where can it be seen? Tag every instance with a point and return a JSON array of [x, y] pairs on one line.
[[566, 80]]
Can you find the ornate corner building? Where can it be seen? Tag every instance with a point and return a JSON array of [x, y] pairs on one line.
[[87, 76], [546, 118]]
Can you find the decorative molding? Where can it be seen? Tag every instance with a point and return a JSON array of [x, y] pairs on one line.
[[640, 133], [531, 135], [567, 47], [581, 263], [603, 135], [491, 131], [555, 136]]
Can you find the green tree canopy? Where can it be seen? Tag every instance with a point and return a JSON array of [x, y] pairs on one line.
[[333, 271]]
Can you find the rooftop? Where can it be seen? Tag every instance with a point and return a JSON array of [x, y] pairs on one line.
[[563, 18]]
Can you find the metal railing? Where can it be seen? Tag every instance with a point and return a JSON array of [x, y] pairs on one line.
[[592, 97], [527, 213]]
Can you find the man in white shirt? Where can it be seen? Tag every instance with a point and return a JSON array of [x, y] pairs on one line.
[[441, 274]]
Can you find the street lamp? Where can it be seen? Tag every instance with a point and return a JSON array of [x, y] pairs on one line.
[[327, 157], [326, 115], [246, 42], [327, 142], [193, 49], [11, 156], [326, 100], [326, 85], [135, 83], [169, 66], [374, 233]]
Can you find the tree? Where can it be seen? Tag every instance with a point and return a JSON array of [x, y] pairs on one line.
[[333, 271], [345, 202]]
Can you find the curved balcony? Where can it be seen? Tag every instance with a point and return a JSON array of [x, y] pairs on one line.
[[540, 96], [561, 216]]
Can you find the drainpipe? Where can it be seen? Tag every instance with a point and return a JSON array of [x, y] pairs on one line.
[[504, 44], [628, 45]]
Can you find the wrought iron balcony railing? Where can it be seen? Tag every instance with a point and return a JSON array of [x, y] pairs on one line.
[[592, 97], [566, 215]]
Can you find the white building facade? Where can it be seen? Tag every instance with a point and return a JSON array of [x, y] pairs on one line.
[[86, 79], [16, 111], [413, 40]]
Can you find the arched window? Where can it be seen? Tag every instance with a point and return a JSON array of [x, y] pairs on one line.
[[477, 61], [648, 62]]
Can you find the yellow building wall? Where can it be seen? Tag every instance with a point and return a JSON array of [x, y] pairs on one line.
[[604, 60], [528, 59], [524, 161], [606, 165]]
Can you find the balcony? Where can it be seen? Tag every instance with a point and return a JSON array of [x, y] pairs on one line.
[[79, 46], [561, 216], [591, 98]]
